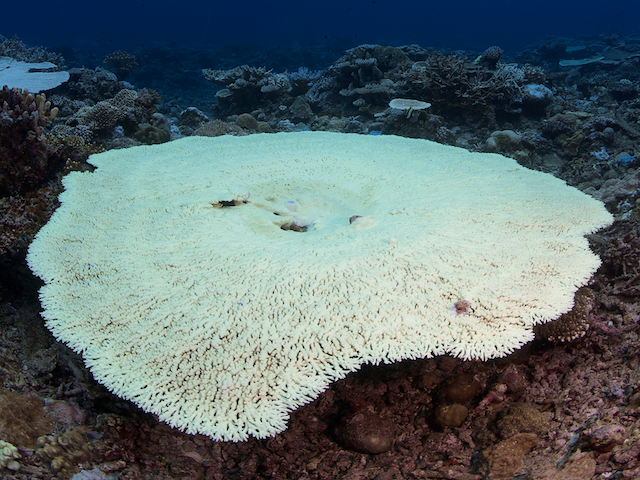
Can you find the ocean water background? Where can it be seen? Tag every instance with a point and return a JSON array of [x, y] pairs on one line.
[[510, 24]]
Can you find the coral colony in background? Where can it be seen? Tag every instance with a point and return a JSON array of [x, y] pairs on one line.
[[119, 286]]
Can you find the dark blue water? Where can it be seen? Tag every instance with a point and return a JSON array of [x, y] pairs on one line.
[[463, 24]]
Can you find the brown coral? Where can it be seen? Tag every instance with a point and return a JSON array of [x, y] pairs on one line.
[[573, 324], [452, 81], [248, 86], [367, 432], [23, 215]]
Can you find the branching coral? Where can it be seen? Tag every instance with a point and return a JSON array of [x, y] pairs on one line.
[[249, 86], [364, 71], [451, 81], [25, 158], [491, 56]]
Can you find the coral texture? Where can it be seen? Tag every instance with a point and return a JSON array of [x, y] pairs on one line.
[[192, 263], [573, 324]]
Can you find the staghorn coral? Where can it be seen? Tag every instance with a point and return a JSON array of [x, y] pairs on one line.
[[23, 419], [25, 159]]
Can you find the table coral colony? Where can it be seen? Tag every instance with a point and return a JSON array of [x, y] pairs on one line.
[[174, 269]]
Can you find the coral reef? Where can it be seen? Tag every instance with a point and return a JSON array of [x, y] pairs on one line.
[[505, 458], [65, 451], [28, 167], [581, 398]]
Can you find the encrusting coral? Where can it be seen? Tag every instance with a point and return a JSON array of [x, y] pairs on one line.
[[249, 86], [134, 111], [23, 419], [216, 128], [15, 48]]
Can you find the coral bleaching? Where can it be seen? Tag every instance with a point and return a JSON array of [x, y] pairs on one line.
[[34, 77], [169, 269]]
